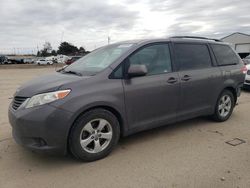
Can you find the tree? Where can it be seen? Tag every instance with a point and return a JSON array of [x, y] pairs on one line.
[[46, 51], [53, 52], [47, 47], [38, 54], [82, 50], [66, 48]]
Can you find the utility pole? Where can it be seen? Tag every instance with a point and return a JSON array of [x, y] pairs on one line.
[[109, 39]]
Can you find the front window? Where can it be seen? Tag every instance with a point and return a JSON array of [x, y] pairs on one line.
[[98, 60], [155, 57]]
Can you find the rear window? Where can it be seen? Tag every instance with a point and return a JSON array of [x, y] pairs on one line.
[[224, 55], [192, 56]]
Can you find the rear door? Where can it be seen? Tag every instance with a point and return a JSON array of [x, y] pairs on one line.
[[200, 80], [152, 100]]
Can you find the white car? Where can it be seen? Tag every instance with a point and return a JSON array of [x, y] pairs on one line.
[[44, 62], [247, 79]]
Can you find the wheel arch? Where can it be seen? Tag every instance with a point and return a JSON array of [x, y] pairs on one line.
[[233, 90], [106, 107]]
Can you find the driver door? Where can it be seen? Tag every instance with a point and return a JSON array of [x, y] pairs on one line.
[[152, 100]]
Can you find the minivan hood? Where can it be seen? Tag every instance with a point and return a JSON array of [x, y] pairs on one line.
[[46, 83]]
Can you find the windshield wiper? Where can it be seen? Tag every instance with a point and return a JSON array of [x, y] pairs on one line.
[[72, 72]]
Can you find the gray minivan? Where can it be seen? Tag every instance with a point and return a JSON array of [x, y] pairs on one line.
[[124, 88]]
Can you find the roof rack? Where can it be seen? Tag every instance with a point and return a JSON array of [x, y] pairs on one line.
[[193, 37]]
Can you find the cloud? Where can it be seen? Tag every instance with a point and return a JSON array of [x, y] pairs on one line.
[[28, 23], [210, 17]]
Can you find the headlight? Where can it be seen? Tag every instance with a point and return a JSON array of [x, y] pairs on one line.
[[45, 98]]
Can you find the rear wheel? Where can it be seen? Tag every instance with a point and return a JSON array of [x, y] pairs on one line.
[[224, 107], [94, 135]]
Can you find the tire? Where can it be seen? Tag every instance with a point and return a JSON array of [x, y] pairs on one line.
[[48, 63], [225, 103], [90, 130]]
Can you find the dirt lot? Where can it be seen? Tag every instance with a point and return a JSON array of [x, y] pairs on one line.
[[188, 154]]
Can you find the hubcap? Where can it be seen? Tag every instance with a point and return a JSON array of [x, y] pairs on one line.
[[225, 105], [96, 135]]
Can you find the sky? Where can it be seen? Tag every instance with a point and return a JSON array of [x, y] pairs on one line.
[[25, 25]]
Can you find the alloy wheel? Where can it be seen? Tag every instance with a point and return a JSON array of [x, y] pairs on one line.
[[96, 135], [225, 105]]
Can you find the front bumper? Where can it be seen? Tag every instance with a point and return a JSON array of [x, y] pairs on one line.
[[42, 129]]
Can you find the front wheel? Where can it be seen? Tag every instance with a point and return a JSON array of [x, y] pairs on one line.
[[224, 107], [94, 135]]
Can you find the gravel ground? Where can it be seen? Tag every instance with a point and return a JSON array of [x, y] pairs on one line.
[[188, 154]]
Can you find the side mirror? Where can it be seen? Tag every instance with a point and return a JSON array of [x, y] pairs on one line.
[[137, 70]]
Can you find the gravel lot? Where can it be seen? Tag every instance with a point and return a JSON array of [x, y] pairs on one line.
[[188, 154]]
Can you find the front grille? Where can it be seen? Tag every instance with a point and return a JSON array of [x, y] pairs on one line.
[[17, 102], [248, 72]]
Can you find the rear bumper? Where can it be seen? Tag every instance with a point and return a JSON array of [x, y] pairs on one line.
[[41, 129]]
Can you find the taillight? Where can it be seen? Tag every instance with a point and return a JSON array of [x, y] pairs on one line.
[[244, 69]]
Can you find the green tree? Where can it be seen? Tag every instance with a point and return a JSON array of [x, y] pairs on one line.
[[44, 53], [82, 50], [66, 48], [53, 52]]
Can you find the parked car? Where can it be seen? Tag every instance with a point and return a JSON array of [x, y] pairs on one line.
[[246, 60], [28, 60], [15, 60], [247, 79], [44, 62], [3, 59], [72, 60], [124, 88]]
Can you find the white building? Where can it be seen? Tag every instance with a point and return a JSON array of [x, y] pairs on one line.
[[240, 42]]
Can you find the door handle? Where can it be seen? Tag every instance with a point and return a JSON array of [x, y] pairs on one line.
[[186, 78], [172, 80]]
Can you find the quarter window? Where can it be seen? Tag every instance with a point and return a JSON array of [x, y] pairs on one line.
[[156, 58], [192, 56], [225, 55]]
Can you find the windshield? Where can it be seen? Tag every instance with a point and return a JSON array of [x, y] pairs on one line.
[[98, 60]]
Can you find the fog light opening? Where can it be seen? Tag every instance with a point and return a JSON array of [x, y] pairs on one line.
[[40, 142]]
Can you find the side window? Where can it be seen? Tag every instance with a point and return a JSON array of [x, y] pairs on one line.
[[224, 55], [156, 57], [118, 73], [192, 56]]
